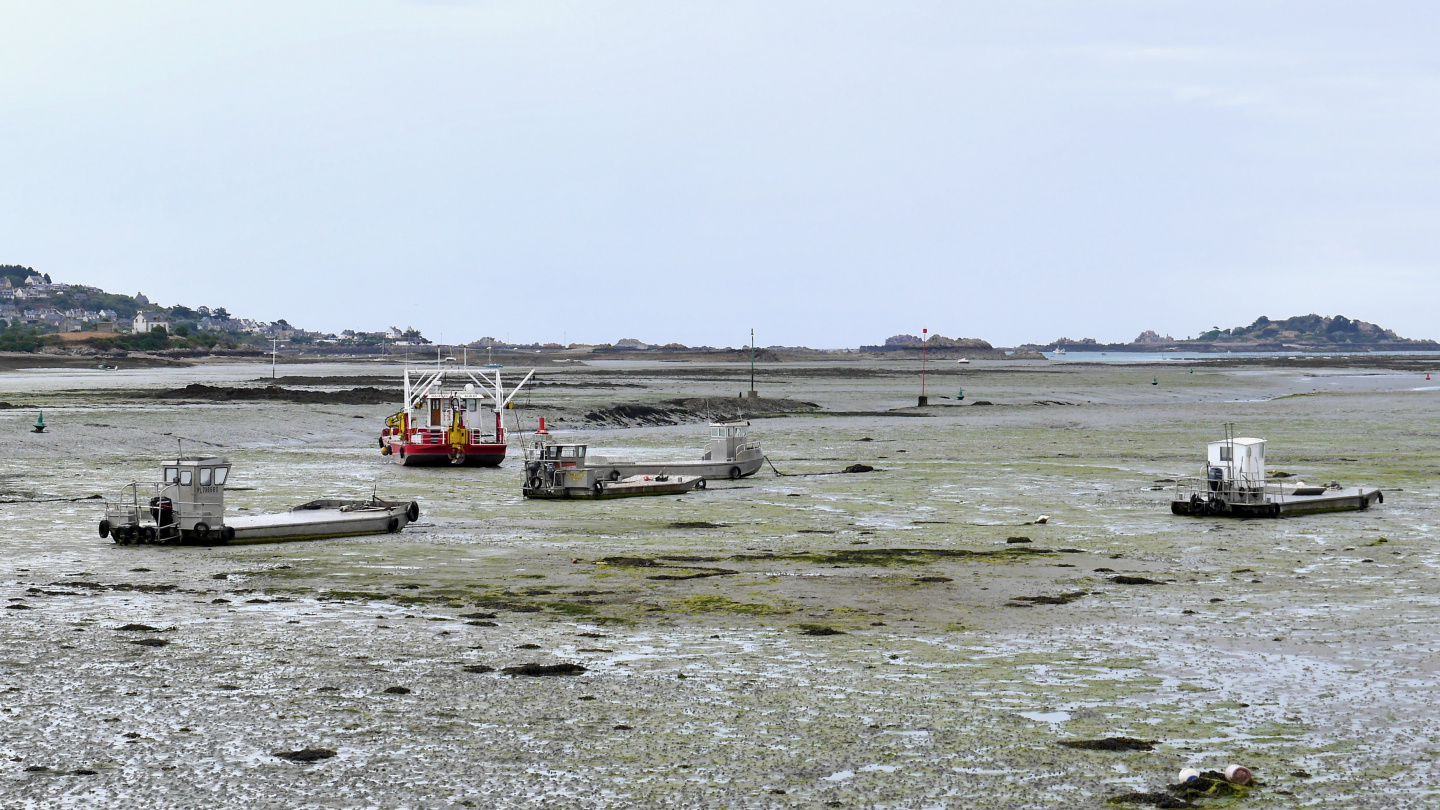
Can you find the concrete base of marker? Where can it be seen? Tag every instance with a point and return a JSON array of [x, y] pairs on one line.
[[924, 401]]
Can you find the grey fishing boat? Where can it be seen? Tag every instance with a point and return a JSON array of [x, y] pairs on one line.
[[187, 507], [563, 471], [1234, 484], [732, 454]]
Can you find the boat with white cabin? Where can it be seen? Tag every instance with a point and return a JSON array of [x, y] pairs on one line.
[[1234, 484], [187, 507]]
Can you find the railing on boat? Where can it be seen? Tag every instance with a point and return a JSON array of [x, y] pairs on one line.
[[128, 509], [1241, 492]]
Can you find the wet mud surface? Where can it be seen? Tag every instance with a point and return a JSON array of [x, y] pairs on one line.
[[795, 641]]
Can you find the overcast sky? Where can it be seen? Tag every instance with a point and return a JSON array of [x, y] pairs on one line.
[[829, 173]]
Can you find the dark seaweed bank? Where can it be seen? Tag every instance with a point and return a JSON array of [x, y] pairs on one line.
[[198, 392], [695, 409]]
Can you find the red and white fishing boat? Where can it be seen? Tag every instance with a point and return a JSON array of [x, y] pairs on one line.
[[440, 424]]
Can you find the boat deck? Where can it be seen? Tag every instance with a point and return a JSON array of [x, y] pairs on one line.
[[311, 524]]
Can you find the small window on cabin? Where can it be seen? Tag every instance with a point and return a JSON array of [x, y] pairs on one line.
[[567, 452], [205, 473], [1225, 454], [220, 474], [186, 476], [471, 405], [172, 474]]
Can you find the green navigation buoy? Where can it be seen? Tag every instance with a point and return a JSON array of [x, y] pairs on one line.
[[1155, 381], [960, 394], [40, 422]]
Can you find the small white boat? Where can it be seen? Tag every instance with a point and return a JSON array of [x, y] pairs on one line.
[[964, 361], [188, 507]]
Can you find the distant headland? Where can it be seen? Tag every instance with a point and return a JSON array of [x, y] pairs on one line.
[[1303, 333]]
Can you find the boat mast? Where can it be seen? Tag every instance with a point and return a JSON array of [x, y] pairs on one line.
[[752, 361]]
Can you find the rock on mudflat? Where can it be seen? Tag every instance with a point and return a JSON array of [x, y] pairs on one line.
[[306, 755], [541, 670], [1111, 744]]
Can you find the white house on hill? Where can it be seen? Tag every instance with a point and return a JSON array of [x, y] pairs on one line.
[[145, 323]]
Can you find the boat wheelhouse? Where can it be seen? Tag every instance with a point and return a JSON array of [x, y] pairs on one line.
[[441, 424]]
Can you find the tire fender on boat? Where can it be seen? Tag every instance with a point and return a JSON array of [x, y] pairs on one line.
[[202, 531], [734, 473], [104, 529], [227, 534], [412, 511], [614, 475], [700, 484], [599, 488], [394, 524]]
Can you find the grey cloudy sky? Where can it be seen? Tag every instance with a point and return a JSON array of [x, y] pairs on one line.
[[829, 173]]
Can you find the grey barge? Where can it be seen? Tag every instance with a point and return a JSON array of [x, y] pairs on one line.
[[732, 455], [1234, 485], [187, 507], [562, 471]]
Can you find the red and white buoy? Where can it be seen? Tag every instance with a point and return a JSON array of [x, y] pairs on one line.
[[542, 431]]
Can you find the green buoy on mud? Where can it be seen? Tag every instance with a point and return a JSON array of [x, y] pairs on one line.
[[960, 394], [1155, 381], [40, 423]]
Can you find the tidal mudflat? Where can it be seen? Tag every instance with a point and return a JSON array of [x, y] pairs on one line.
[[907, 637]]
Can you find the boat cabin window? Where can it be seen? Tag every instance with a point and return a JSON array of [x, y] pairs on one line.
[[738, 432], [564, 451], [220, 475], [1226, 454], [205, 473], [186, 476], [172, 474], [471, 405]]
